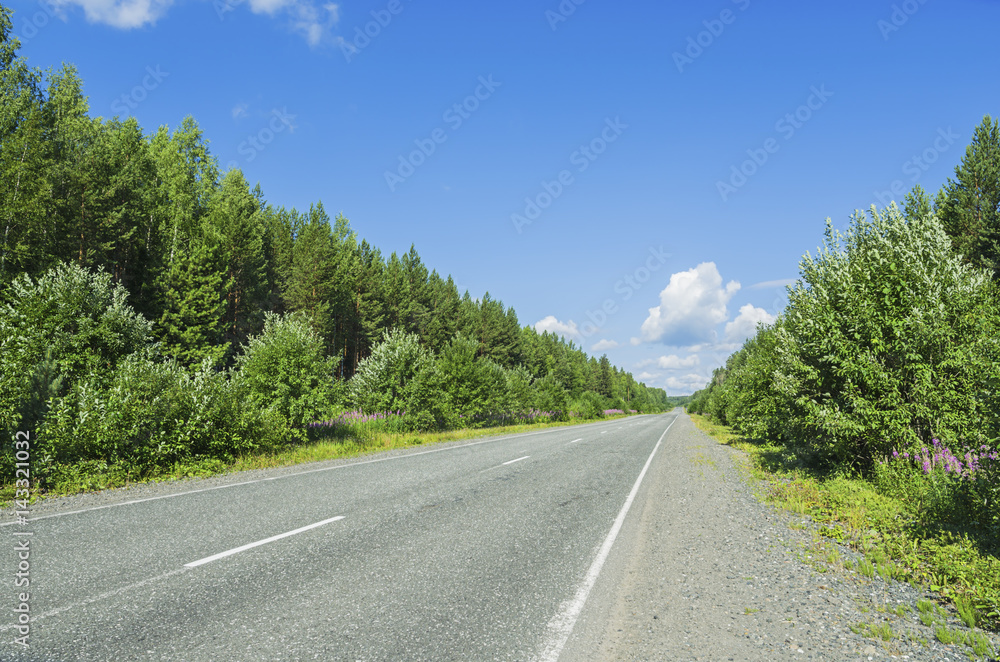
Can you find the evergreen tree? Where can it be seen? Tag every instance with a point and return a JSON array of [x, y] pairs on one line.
[[969, 207], [234, 230], [191, 325]]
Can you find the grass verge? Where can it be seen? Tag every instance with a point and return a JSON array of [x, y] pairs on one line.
[[953, 562]]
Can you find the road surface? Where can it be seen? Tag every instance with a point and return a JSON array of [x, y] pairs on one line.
[[475, 550]]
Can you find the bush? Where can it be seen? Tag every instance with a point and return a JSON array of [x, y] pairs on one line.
[[385, 380], [895, 340], [475, 387], [285, 369], [153, 415], [589, 405], [68, 325], [548, 394]]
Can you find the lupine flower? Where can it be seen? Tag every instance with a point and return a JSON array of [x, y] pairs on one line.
[[957, 466]]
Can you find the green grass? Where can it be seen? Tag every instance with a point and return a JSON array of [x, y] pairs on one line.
[[94, 476], [961, 565]]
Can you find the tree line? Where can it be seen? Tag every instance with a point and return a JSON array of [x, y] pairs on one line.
[[129, 260]]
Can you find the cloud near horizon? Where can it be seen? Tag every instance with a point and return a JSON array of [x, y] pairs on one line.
[[691, 305], [553, 325]]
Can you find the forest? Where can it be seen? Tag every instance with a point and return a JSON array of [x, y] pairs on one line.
[[156, 310]]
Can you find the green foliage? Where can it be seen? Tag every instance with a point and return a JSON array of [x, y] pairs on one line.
[[969, 205], [887, 342], [475, 386], [548, 394], [285, 370], [151, 414], [589, 405], [895, 342], [191, 325], [383, 381], [67, 325]]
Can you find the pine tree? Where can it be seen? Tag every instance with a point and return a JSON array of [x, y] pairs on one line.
[[234, 230], [191, 326], [969, 206]]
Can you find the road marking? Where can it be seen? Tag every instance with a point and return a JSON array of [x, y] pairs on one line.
[[288, 475], [513, 461], [604, 432], [575, 440], [243, 548], [561, 625]]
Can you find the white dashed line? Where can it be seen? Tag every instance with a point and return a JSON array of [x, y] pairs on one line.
[[243, 548]]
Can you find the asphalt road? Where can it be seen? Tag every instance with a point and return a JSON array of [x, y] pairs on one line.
[[481, 550]]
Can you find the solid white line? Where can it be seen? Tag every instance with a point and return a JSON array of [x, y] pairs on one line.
[[289, 475], [513, 461], [576, 440], [561, 625], [243, 548]]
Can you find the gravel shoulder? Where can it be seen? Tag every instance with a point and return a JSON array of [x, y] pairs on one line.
[[704, 570]]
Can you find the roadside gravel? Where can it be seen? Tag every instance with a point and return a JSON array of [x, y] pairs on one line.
[[709, 572]]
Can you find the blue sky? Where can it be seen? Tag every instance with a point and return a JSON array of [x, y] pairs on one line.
[[617, 129]]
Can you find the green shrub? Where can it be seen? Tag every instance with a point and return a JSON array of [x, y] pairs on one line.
[[285, 369], [548, 394], [152, 415], [589, 405], [896, 342], [475, 387], [383, 380], [68, 325]]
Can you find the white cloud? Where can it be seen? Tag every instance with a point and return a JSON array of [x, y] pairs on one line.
[[124, 14], [602, 345], [674, 362], [240, 110], [745, 324], [646, 376], [691, 306], [686, 384], [552, 325], [312, 21]]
